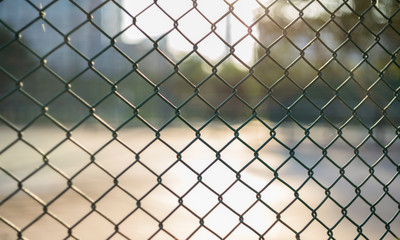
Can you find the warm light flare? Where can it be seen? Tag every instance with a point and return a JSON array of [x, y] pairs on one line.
[[193, 27]]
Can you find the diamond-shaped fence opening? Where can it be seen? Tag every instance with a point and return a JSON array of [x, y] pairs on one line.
[[199, 119]]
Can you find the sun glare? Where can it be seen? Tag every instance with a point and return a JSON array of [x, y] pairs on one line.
[[193, 27]]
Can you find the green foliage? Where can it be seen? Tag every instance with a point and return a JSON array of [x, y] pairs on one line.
[[347, 54], [15, 62], [303, 63]]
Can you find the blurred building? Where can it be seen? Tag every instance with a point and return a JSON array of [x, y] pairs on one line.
[[82, 44]]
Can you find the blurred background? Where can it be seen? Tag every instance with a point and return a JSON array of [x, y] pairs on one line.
[[320, 62], [102, 99]]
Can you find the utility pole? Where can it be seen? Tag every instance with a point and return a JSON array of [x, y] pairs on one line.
[[228, 36]]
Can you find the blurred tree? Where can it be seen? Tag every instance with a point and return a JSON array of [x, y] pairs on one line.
[[323, 48], [15, 61]]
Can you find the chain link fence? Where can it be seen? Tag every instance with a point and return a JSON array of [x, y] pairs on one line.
[[199, 119]]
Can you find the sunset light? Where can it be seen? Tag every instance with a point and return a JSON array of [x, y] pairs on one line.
[[199, 119], [194, 26]]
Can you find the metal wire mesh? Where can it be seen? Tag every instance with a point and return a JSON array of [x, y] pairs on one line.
[[193, 119]]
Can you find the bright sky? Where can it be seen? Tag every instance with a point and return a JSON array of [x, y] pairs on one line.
[[155, 23]]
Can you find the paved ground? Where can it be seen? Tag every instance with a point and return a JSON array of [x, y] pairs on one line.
[[198, 200]]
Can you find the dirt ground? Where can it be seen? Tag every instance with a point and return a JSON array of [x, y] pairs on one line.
[[210, 186]]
